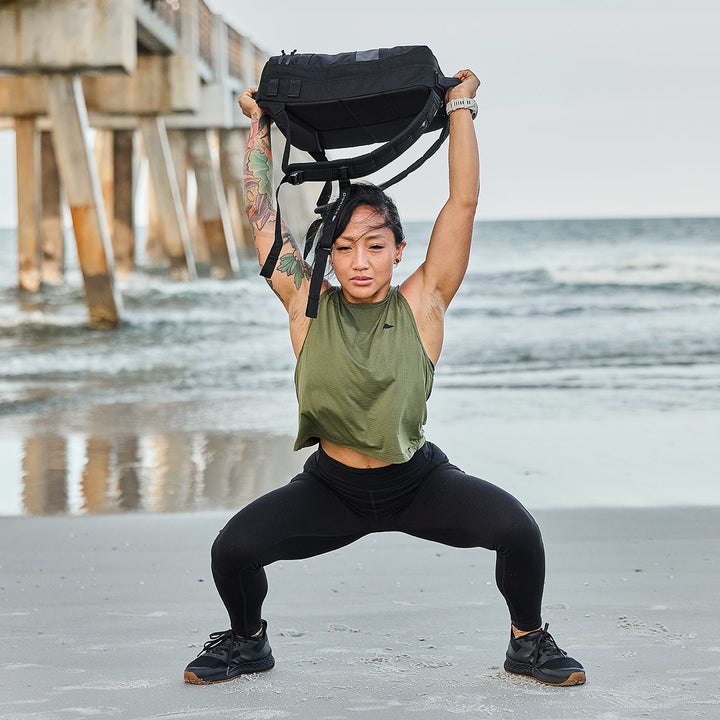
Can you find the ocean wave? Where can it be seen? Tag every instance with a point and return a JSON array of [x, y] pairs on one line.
[[697, 377], [663, 273], [681, 272]]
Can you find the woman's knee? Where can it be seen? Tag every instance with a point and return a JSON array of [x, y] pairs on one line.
[[234, 549], [520, 531]]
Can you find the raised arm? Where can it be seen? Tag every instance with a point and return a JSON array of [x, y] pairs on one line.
[[437, 280], [290, 280]]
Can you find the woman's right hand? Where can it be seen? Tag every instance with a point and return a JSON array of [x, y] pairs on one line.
[[248, 105]]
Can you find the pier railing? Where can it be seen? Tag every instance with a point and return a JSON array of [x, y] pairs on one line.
[[212, 41], [168, 10]]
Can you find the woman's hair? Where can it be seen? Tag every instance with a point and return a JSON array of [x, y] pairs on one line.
[[373, 197]]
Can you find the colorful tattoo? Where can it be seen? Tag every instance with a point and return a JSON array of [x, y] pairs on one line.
[[292, 264], [257, 179], [258, 174]]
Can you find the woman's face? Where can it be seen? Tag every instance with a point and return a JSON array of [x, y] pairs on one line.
[[364, 255]]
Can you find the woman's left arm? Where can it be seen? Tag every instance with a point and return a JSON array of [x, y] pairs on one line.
[[447, 257]]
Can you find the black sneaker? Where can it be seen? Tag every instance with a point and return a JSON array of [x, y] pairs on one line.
[[537, 655], [226, 655]]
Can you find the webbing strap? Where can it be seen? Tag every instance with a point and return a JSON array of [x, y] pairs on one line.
[[371, 162], [426, 156], [272, 258], [322, 251]]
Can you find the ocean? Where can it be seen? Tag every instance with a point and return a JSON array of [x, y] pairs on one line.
[[555, 317]]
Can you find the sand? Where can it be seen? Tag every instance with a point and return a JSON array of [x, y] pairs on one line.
[[100, 614]]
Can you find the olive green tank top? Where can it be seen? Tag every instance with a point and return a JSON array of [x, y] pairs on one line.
[[363, 378]]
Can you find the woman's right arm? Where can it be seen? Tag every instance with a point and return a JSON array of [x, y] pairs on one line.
[[291, 278]]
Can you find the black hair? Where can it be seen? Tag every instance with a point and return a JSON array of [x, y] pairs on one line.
[[375, 198]]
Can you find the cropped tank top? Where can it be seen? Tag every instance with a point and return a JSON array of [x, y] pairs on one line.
[[363, 378]]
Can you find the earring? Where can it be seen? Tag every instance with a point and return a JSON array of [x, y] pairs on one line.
[[397, 260]]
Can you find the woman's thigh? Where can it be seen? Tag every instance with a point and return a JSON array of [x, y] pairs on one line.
[[299, 520], [458, 509]]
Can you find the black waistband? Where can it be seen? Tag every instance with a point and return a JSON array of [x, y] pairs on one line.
[[376, 492], [421, 461]]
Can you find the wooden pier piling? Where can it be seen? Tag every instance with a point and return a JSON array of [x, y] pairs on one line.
[[68, 116], [28, 198], [123, 229], [232, 160], [176, 238], [51, 225], [212, 206]]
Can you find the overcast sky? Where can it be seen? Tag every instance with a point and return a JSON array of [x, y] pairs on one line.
[[588, 108]]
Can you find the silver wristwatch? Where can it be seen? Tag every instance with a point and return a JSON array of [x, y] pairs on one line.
[[458, 103]]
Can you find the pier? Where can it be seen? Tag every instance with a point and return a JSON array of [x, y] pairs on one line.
[[96, 90]]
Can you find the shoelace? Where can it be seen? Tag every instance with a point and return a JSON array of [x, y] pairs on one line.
[[546, 640], [218, 640]]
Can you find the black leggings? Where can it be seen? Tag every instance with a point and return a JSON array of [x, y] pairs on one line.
[[330, 505]]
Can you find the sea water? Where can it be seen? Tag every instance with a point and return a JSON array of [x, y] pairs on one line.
[[554, 317]]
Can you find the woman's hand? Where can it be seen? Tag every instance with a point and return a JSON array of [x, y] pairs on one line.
[[466, 89], [248, 105]]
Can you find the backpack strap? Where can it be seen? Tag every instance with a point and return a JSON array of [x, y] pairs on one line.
[[272, 258], [362, 165], [445, 131], [324, 246]]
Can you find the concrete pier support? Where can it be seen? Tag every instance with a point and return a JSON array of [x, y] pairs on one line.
[[114, 154], [68, 116], [103, 154], [27, 145], [167, 195], [52, 235], [178, 152], [213, 213], [154, 242], [123, 231], [232, 158]]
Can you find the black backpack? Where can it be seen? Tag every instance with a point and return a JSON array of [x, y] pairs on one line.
[[322, 102]]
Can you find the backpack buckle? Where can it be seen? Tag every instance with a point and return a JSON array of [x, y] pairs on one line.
[[296, 177]]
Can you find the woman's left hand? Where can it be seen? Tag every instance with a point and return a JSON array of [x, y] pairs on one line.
[[466, 89]]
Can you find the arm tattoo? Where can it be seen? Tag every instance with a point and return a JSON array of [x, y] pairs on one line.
[[257, 174], [292, 264], [257, 180]]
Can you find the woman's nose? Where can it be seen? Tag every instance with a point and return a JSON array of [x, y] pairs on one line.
[[359, 257]]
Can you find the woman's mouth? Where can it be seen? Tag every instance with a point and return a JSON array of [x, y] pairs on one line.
[[361, 280]]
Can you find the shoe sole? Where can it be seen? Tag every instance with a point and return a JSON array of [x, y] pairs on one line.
[[576, 678], [249, 669]]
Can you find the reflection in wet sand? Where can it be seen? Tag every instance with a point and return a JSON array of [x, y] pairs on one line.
[[45, 472], [95, 483], [172, 472]]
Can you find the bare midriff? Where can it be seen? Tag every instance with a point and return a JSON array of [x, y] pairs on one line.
[[351, 458]]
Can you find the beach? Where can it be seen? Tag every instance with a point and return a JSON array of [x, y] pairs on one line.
[[580, 372], [101, 613]]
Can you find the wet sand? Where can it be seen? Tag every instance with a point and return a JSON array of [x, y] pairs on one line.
[[217, 453], [101, 613]]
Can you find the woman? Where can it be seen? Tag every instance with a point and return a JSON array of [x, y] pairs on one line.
[[373, 470]]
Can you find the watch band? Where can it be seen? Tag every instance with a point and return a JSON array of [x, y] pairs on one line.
[[458, 103]]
